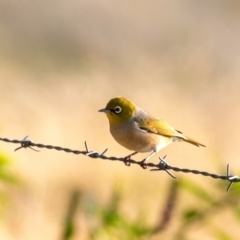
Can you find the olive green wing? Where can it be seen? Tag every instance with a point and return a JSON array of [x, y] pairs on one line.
[[158, 126], [161, 127]]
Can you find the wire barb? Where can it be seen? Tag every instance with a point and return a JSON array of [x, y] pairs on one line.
[[93, 154], [86, 146], [161, 166], [104, 152], [231, 178], [25, 143]]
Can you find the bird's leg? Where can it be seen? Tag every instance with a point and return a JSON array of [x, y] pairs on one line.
[[127, 158], [142, 163]]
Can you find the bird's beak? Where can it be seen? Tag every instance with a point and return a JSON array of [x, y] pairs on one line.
[[104, 110]]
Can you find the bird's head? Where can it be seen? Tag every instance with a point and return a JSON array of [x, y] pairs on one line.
[[119, 110]]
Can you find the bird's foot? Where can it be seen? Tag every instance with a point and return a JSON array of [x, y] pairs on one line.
[[127, 161], [143, 165]]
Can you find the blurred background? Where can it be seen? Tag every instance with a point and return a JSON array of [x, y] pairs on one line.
[[61, 61]]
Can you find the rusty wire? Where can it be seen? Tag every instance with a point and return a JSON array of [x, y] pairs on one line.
[[161, 166]]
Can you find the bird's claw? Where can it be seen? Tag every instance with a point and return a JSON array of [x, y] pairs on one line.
[[127, 161], [143, 165]]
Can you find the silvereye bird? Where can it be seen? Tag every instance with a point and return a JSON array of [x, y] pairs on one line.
[[136, 130]]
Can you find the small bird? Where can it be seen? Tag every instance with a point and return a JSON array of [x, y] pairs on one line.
[[136, 130]]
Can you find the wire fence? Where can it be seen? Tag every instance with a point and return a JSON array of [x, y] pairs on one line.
[[161, 166]]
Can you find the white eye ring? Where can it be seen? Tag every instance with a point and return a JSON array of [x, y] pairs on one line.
[[117, 109]]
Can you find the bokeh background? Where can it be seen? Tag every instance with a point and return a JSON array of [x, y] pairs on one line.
[[61, 61]]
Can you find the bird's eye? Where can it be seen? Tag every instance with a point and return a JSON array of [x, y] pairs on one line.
[[117, 109]]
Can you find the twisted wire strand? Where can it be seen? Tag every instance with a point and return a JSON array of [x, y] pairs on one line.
[[161, 166]]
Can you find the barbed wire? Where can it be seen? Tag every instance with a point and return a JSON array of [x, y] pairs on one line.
[[161, 166]]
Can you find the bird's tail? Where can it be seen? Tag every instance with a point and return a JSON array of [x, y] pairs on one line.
[[194, 142]]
